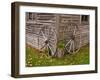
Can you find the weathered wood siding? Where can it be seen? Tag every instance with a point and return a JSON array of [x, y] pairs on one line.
[[84, 28], [35, 22]]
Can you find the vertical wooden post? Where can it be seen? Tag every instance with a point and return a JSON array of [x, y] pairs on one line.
[[57, 26], [80, 18]]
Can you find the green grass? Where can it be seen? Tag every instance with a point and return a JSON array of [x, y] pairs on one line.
[[61, 44], [36, 58]]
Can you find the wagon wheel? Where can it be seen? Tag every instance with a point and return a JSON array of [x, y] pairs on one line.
[[47, 39], [73, 38]]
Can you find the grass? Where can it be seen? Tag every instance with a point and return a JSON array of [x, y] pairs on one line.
[[61, 44], [35, 58]]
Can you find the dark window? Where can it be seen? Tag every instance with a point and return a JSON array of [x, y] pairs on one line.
[[84, 18], [30, 16]]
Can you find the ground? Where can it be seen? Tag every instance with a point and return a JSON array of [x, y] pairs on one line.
[[36, 58]]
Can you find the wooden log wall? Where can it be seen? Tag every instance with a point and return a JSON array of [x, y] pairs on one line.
[[84, 28], [35, 22]]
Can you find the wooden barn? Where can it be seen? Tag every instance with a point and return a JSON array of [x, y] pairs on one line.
[[42, 28]]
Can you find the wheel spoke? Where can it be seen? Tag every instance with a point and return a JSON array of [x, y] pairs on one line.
[[70, 47], [73, 47], [43, 46], [68, 43], [52, 52], [43, 35], [67, 46], [40, 42]]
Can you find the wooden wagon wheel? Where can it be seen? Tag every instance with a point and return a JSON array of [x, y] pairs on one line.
[[73, 38], [47, 39]]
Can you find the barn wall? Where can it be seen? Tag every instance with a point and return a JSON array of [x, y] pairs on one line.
[[36, 21], [84, 28]]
